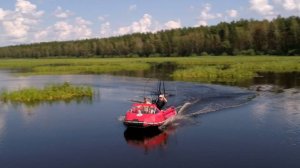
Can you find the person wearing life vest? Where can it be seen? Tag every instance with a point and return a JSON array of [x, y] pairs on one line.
[[161, 101]]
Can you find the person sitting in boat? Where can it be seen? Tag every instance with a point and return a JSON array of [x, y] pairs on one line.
[[161, 101], [147, 100]]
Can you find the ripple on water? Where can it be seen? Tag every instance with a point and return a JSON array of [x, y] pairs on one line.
[[282, 108]]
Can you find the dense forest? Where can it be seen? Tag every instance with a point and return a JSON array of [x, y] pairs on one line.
[[280, 36]]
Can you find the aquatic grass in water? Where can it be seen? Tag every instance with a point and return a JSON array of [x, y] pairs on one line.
[[212, 74], [73, 65], [90, 69], [49, 93], [225, 69], [233, 69]]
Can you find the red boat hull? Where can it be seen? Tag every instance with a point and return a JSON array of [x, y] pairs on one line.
[[147, 115]]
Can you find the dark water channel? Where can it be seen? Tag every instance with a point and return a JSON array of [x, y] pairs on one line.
[[221, 127]]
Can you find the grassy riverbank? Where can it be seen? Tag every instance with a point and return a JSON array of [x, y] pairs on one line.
[[72, 66], [49, 93], [205, 69]]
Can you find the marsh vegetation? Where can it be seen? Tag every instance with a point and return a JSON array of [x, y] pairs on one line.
[[71, 66], [233, 69], [52, 92], [211, 69]]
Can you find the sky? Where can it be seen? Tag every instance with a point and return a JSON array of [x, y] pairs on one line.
[[31, 21]]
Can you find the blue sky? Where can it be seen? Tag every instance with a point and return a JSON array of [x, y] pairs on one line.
[[29, 21]]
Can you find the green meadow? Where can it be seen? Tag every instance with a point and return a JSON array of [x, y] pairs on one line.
[[71, 66], [205, 68]]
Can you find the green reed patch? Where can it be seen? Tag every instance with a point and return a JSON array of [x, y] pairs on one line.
[[52, 92], [202, 68], [212, 74], [73, 65], [232, 69]]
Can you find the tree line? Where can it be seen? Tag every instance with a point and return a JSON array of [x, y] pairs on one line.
[[280, 36]]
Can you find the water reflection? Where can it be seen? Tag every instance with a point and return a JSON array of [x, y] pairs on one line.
[[147, 139], [2, 127], [3, 111], [285, 80], [32, 105], [285, 107], [157, 70]]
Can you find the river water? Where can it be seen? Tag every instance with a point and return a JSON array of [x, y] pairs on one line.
[[220, 126]]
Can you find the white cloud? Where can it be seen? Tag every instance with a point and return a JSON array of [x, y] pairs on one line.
[[3, 13], [24, 6], [82, 29], [60, 13], [63, 30], [123, 30], [16, 28], [41, 35], [206, 15], [142, 26], [17, 24], [132, 7], [103, 18], [173, 24], [145, 24], [105, 30], [232, 13], [289, 5], [262, 7], [202, 23], [79, 28], [66, 31], [81, 21], [22, 25]]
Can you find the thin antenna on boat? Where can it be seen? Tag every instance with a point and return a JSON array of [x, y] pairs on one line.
[[159, 89], [147, 81], [164, 88]]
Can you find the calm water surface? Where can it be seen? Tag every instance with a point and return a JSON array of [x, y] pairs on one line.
[[222, 127]]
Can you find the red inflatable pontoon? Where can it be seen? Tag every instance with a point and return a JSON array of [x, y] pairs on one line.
[[147, 115]]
